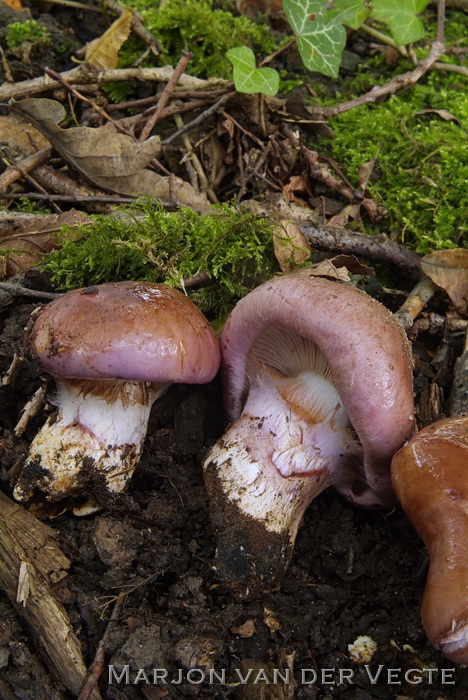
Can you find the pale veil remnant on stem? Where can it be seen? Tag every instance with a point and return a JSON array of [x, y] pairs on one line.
[[113, 349], [318, 386]]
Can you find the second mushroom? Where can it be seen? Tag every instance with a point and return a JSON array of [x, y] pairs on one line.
[[112, 349], [318, 386]]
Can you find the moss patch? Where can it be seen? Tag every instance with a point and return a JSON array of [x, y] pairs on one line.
[[149, 244], [193, 25]]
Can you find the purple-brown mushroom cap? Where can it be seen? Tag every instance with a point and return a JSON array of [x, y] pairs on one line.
[[126, 330], [365, 348]]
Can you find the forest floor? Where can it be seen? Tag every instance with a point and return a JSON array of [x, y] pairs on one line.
[[145, 560]]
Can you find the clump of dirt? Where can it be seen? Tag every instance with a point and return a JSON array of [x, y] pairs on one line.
[[354, 573]]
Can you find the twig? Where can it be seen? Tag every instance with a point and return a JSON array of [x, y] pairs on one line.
[[435, 323], [86, 74], [166, 93], [205, 185], [30, 179], [244, 131], [179, 94], [69, 198], [176, 108], [277, 53], [198, 120], [451, 68], [415, 302], [60, 79], [18, 291], [14, 171], [30, 410], [10, 377], [378, 248], [399, 81], [97, 666], [321, 172], [78, 5]]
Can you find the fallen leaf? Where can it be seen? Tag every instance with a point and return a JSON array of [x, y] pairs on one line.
[[112, 161], [449, 270], [290, 246], [270, 619], [326, 268], [245, 630], [30, 243], [22, 136], [14, 4], [103, 52], [442, 113], [93, 152]]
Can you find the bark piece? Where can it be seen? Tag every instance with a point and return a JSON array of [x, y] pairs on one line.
[[30, 563]]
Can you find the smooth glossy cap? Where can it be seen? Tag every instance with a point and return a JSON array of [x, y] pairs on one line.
[[126, 330]]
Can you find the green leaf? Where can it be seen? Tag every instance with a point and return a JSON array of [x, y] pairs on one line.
[[401, 17], [247, 77], [353, 13], [319, 30]]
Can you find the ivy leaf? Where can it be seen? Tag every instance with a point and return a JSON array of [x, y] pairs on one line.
[[247, 77], [319, 30], [353, 13], [401, 17]]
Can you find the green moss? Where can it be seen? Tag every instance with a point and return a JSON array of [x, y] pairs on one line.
[[150, 244], [29, 206], [27, 32], [209, 33], [421, 168]]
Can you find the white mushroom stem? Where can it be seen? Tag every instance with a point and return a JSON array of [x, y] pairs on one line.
[[96, 436], [292, 441]]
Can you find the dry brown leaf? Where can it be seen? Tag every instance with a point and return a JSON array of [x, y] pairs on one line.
[[103, 52], [449, 270], [442, 113], [270, 619], [22, 136], [290, 246], [94, 153], [14, 4], [245, 630], [30, 243], [112, 161]]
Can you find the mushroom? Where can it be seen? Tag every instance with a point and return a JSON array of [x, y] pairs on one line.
[[113, 350], [318, 387], [430, 477]]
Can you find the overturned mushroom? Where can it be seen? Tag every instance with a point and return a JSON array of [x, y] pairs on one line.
[[113, 349], [319, 388], [430, 477]]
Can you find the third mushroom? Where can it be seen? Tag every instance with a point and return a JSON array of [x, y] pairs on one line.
[[318, 387]]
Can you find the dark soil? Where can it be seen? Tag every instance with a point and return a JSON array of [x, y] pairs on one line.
[[353, 573]]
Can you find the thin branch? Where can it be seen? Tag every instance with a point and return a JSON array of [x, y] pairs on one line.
[[14, 171], [18, 291], [166, 93], [198, 120], [97, 666], [86, 74], [415, 302], [69, 198], [397, 83], [60, 79]]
